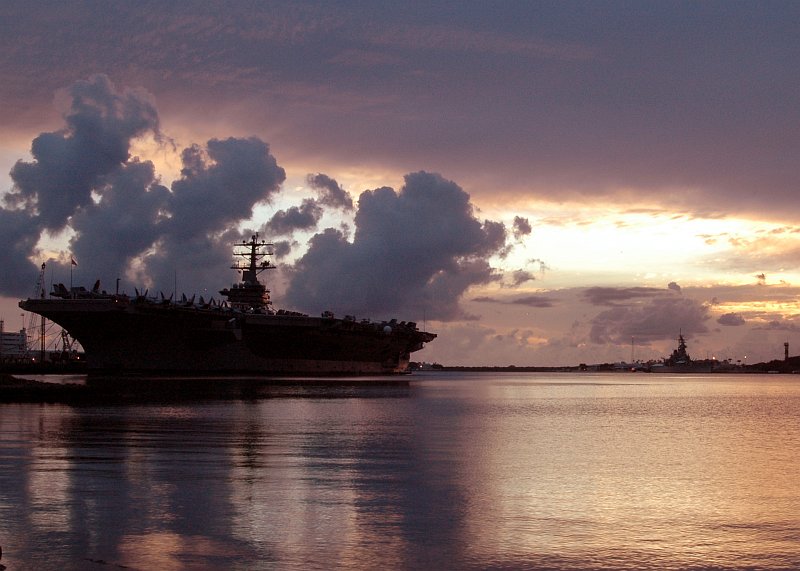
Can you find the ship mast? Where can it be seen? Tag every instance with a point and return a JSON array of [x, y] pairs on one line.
[[254, 251], [38, 292], [250, 294]]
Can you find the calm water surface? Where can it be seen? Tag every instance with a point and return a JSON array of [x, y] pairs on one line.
[[457, 471]]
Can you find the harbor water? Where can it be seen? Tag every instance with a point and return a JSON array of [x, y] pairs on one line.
[[453, 471]]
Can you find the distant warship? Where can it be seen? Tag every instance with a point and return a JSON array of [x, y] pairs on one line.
[[681, 362], [241, 335]]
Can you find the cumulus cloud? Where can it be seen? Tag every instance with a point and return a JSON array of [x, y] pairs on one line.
[[123, 221], [220, 184], [330, 192], [415, 251], [303, 217], [731, 319], [648, 314], [69, 164], [127, 221], [519, 277], [658, 319], [19, 241], [418, 249], [218, 188], [282, 248], [521, 227]]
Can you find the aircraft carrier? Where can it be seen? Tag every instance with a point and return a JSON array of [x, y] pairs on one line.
[[241, 334]]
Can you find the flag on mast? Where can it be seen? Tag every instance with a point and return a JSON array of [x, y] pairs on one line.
[[72, 261]]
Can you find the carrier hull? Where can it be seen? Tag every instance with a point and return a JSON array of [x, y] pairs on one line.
[[139, 336]]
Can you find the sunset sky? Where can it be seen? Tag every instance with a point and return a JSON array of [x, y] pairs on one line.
[[540, 183]]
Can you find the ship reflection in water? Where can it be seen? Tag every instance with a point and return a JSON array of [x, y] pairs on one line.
[[454, 471]]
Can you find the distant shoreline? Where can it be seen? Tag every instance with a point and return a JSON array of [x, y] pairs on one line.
[[512, 369], [786, 366]]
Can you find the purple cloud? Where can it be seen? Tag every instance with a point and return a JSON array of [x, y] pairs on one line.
[[418, 249]]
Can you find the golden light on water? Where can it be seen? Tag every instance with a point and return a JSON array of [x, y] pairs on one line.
[[472, 470]]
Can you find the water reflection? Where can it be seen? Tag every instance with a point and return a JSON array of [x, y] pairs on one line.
[[450, 472]]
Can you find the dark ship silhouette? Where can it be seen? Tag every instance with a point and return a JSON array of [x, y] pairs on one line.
[[680, 361], [243, 334]]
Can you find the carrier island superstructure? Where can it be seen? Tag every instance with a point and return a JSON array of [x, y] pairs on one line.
[[240, 335]]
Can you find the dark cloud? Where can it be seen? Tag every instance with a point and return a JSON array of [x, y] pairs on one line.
[[303, 217], [128, 220], [19, 273], [330, 193], [69, 164], [533, 301], [731, 319], [519, 277], [623, 93], [220, 185], [218, 188], [659, 319], [780, 325], [282, 248], [616, 296], [196, 263], [644, 313], [418, 249], [124, 222], [529, 301], [521, 227]]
